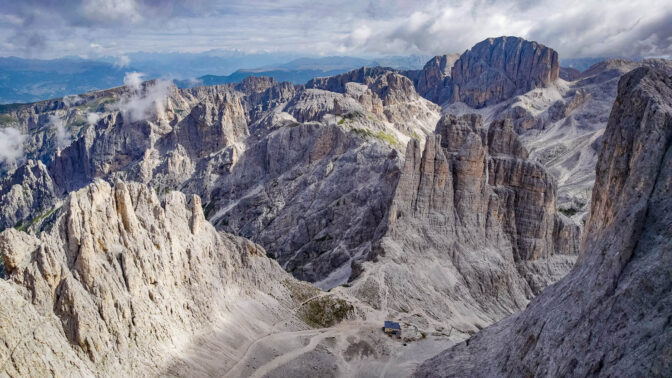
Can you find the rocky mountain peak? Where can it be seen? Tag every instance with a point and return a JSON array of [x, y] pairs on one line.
[[610, 315], [498, 68], [492, 71], [434, 78], [468, 206], [120, 276]]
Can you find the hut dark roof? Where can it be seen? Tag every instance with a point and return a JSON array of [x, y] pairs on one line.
[[392, 325]]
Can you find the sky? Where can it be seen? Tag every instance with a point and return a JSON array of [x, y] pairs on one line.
[[96, 28]]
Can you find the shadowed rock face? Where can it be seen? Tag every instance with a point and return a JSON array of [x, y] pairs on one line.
[[433, 80], [494, 70], [499, 68], [26, 191], [610, 315], [472, 232], [312, 194]]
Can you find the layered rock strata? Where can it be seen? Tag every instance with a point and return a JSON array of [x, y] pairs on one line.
[[122, 281], [472, 233], [499, 68], [610, 315]]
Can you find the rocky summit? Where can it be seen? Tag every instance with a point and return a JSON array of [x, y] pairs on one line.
[[472, 207], [610, 315], [494, 70], [120, 280], [499, 214]]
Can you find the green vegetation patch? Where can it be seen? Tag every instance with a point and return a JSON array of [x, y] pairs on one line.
[[79, 121], [98, 104], [6, 119], [44, 215], [380, 135], [24, 224], [300, 291], [325, 311]]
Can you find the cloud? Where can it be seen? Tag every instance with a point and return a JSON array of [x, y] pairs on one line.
[[11, 145], [144, 102], [62, 135], [194, 82], [122, 62], [92, 118], [134, 80], [70, 100], [574, 28], [111, 11]]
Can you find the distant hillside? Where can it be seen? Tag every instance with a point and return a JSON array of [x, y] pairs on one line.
[[28, 80], [300, 71]]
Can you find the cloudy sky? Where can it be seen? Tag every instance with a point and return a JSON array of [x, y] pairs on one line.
[[93, 28]]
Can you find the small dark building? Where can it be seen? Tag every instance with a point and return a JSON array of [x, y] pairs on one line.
[[392, 328]]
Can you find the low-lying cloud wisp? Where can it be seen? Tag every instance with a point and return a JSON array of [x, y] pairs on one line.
[[62, 134], [11, 145], [92, 118], [143, 102], [122, 61], [71, 100]]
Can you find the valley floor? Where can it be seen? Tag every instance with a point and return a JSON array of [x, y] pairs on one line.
[[351, 348]]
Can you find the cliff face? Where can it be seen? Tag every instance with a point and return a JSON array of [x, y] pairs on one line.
[[121, 280], [472, 232], [492, 71], [325, 159], [433, 81], [562, 125], [499, 68], [27, 191], [610, 314]]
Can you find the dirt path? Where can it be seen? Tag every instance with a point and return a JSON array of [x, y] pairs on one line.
[[287, 357], [252, 344]]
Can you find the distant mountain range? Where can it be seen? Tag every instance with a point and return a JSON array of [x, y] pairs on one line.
[[301, 70], [29, 80]]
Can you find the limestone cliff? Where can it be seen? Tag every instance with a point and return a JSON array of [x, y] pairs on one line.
[[121, 281], [433, 81], [610, 315], [472, 232], [498, 68], [492, 71], [325, 161]]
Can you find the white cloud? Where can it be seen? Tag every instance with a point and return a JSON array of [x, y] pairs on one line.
[[11, 145], [62, 135], [143, 103], [194, 82], [92, 118], [111, 11], [122, 62], [134, 80], [70, 100], [574, 28]]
